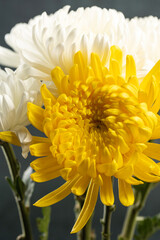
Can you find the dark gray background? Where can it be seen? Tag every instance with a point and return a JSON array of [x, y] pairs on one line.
[[12, 12]]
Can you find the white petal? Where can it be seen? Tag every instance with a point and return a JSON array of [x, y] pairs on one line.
[[14, 96], [51, 40], [9, 58], [25, 139]]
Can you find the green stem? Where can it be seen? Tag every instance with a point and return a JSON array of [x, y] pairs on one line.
[[106, 222], [86, 233], [133, 211], [13, 166]]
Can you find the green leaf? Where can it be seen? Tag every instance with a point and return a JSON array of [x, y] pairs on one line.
[[29, 186], [17, 187], [147, 226], [20, 187], [11, 184], [43, 223]]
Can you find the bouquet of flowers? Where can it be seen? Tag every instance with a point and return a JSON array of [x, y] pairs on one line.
[[89, 81]]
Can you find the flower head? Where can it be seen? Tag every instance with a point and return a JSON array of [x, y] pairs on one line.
[[98, 127], [14, 95], [52, 40]]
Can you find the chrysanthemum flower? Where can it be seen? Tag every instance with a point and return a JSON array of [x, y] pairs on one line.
[[14, 95], [52, 40], [98, 127]]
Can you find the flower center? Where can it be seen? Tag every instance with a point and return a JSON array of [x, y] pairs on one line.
[[98, 128]]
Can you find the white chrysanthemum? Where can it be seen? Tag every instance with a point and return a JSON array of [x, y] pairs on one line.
[[52, 40], [14, 96]]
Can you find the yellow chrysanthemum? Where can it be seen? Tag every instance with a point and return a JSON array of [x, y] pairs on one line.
[[98, 127]]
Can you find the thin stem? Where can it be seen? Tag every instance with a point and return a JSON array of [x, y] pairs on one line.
[[86, 233], [11, 160], [133, 211], [106, 222], [13, 166]]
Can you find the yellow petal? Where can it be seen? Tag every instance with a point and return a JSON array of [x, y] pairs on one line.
[[57, 75], [65, 84], [124, 172], [43, 162], [153, 150], [106, 191], [80, 186], [80, 61], [126, 195], [133, 181], [66, 173], [35, 115], [47, 94], [44, 176], [156, 105], [88, 207], [147, 164], [57, 195], [36, 139], [97, 66], [156, 132], [115, 61], [40, 149], [119, 158], [116, 53], [83, 166], [92, 171], [73, 76], [131, 69], [109, 169], [146, 80], [47, 126], [144, 176], [10, 137], [114, 68]]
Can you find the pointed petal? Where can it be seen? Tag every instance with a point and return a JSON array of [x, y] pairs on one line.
[[88, 207], [57, 195]]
